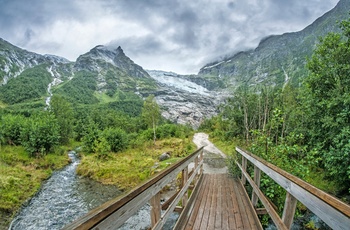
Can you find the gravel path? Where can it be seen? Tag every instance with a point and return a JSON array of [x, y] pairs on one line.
[[214, 159]]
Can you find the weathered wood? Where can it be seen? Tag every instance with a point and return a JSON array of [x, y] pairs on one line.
[[190, 205], [184, 181], [218, 202], [196, 160], [155, 209], [167, 213], [257, 175], [113, 213], [331, 210], [244, 168], [167, 203], [261, 211], [273, 214], [289, 210]]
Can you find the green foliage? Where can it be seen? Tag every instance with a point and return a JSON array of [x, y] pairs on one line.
[[30, 84], [40, 134], [116, 139], [101, 147], [328, 102], [63, 111], [337, 160], [90, 137], [80, 89], [10, 128], [22, 175]]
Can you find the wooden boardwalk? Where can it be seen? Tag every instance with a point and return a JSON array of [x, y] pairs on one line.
[[217, 201], [221, 203]]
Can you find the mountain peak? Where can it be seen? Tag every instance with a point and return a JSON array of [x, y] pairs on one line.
[[101, 54]]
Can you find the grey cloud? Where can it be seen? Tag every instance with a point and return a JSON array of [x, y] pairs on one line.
[[139, 46], [190, 31]]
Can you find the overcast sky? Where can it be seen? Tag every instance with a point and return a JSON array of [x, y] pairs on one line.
[[173, 35]]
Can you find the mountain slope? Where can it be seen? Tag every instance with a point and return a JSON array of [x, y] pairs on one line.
[[184, 101], [278, 59]]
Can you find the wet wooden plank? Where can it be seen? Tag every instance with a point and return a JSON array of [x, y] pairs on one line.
[[197, 215], [221, 204]]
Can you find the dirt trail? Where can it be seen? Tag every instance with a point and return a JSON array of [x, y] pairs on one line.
[[214, 159]]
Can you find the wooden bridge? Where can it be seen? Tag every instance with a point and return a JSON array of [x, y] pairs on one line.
[[217, 201]]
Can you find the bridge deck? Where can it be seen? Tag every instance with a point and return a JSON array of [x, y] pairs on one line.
[[221, 203]]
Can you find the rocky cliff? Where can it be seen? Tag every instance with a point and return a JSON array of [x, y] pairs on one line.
[[279, 58]]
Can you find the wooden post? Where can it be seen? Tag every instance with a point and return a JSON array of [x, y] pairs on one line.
[[289, 210], [155, 209], [195, 166], [244, 167], [257, 175], [201, 159], [184, 180]]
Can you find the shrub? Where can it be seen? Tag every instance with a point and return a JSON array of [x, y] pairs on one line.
[[40, 134], [116, 138], [11, 127]]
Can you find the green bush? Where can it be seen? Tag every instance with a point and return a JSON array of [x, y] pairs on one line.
[[40, 134], [116, 139], [90, 137], [10, 128]]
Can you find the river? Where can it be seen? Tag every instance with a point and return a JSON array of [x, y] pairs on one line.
[[63, 198]]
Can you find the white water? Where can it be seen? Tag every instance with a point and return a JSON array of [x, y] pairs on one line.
[[55, 81], [63, 198]]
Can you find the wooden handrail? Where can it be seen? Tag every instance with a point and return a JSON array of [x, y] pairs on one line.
[[114, 213], [331, 210]]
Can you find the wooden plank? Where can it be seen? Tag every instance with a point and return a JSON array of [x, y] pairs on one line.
[[217, 205], [184, 180], [190, 210], [224, 204], [231, 222], [257, 175], [155, 209], [213, 205], [289, 210], [167, 213], [196, 219], [206, 213], [331, 210], [242, 210], [219, 210], [273, 214], [167, 203], [238, 224], [249, 208], [244, 167], [261, 211]]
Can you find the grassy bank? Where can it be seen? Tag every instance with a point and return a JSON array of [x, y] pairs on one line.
[[129, 168], [21, 177]]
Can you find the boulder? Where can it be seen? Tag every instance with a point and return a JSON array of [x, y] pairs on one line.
[[164, 156]]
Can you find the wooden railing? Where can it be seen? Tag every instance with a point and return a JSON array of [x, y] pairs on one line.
[[332, 211], [114, 213]]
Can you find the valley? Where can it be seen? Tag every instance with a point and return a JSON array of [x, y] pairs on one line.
[[287, 101]]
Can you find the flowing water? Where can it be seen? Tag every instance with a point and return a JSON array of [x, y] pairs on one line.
[[65, 196]]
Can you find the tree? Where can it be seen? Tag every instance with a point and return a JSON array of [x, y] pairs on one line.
[[40, 134], [63, 111], [151, 114], [328, 101]]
